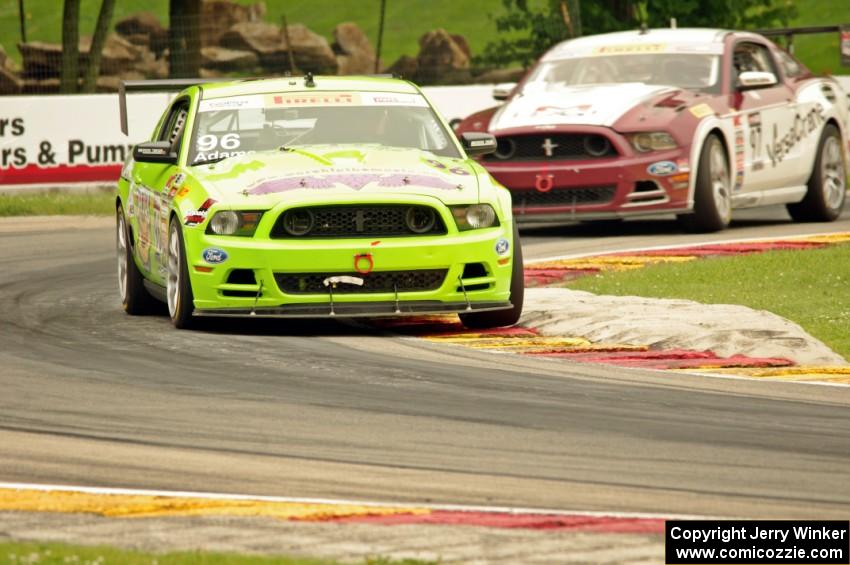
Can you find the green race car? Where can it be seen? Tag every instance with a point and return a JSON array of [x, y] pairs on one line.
[[310, 197]]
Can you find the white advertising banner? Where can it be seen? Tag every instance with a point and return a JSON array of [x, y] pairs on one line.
[[59, 140], [55, 140]]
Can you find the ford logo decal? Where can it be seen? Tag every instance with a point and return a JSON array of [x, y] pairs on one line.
[[662, 168], [214, 256], [502, 246]]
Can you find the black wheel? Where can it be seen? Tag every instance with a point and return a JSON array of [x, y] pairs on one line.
[[713, 193], [828, 184], [134, 297], [178, 288], [500, 318]]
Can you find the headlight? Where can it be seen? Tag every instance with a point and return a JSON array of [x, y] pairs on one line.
[[234, 222], [652, 141], [474, 216]]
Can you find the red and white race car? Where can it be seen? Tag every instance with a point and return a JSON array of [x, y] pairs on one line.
[[695, 122]]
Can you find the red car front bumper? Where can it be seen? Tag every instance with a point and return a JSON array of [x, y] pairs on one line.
[[628, 184]]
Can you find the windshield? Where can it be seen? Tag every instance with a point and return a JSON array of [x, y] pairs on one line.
[[690, 71], [227, 127]]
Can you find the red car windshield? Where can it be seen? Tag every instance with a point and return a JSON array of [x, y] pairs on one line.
[[689, 71]]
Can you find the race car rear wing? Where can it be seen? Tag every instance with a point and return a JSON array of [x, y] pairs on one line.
[[165, 85]]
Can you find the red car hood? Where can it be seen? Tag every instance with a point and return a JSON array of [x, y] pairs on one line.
[[598, 105]]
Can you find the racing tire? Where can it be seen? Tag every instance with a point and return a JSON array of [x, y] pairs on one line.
[[827, 187], [509, 317], [713, 192], [178, 287], [131, 284]]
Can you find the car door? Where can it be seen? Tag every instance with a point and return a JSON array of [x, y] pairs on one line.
[[764, 116], [150, 198]]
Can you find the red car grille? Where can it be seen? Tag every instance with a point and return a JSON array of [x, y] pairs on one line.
[[563, 196], [556, 146]]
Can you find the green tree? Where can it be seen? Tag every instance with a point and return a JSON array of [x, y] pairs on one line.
[[542, 27], [69, 79], [184, 38]]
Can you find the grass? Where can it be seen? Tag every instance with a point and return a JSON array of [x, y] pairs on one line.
[[808, 287], [31, 553], [100, 203], [819, 52]]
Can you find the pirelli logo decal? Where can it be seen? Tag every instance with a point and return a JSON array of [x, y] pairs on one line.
[[317, 99], [630, 49]]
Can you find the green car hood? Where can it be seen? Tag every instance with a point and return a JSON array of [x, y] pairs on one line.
[[269, 177]]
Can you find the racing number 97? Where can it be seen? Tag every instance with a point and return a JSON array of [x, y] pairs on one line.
[[211, 141]]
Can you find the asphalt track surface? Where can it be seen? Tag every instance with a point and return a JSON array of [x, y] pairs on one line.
[[89, 396]]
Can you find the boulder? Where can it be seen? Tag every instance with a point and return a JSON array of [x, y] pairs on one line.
[[41, 60], [10, 83], [223, 59], [463, 44], [110, 83], [355, 54], [3, 57], [260, 37], [312, 52], [144, 29], [405, 67], [36, 86], [441, 58], [119, 55], [153, 68], [143, 23], [218, 16]]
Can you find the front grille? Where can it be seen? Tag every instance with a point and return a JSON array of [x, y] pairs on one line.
[[563, 196], [556, 146], [374, 282], [361, 221]]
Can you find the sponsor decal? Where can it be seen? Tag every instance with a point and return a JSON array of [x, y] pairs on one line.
[[354, 181], [443, 167], [502, 246], [173, 184], [214, 255], [754, 125], [561, 112], [629, 49], [701, 111], [234, 103], [662, 168], [198, 216], [802, 126], [737, 121], [315, 99]]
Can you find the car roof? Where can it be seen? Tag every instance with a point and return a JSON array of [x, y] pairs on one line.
[[298, 84], [711, 39]]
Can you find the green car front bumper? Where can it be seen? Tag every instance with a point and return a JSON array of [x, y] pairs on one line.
[[262, 276]]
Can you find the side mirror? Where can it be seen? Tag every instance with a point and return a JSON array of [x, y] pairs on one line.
[[755, 79], [154, 152], [503, 91], [476, 143]]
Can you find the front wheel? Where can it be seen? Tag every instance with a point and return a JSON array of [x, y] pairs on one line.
[[178, 288], [131, 284], [713, 192], [827, 187], [509, 317]]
